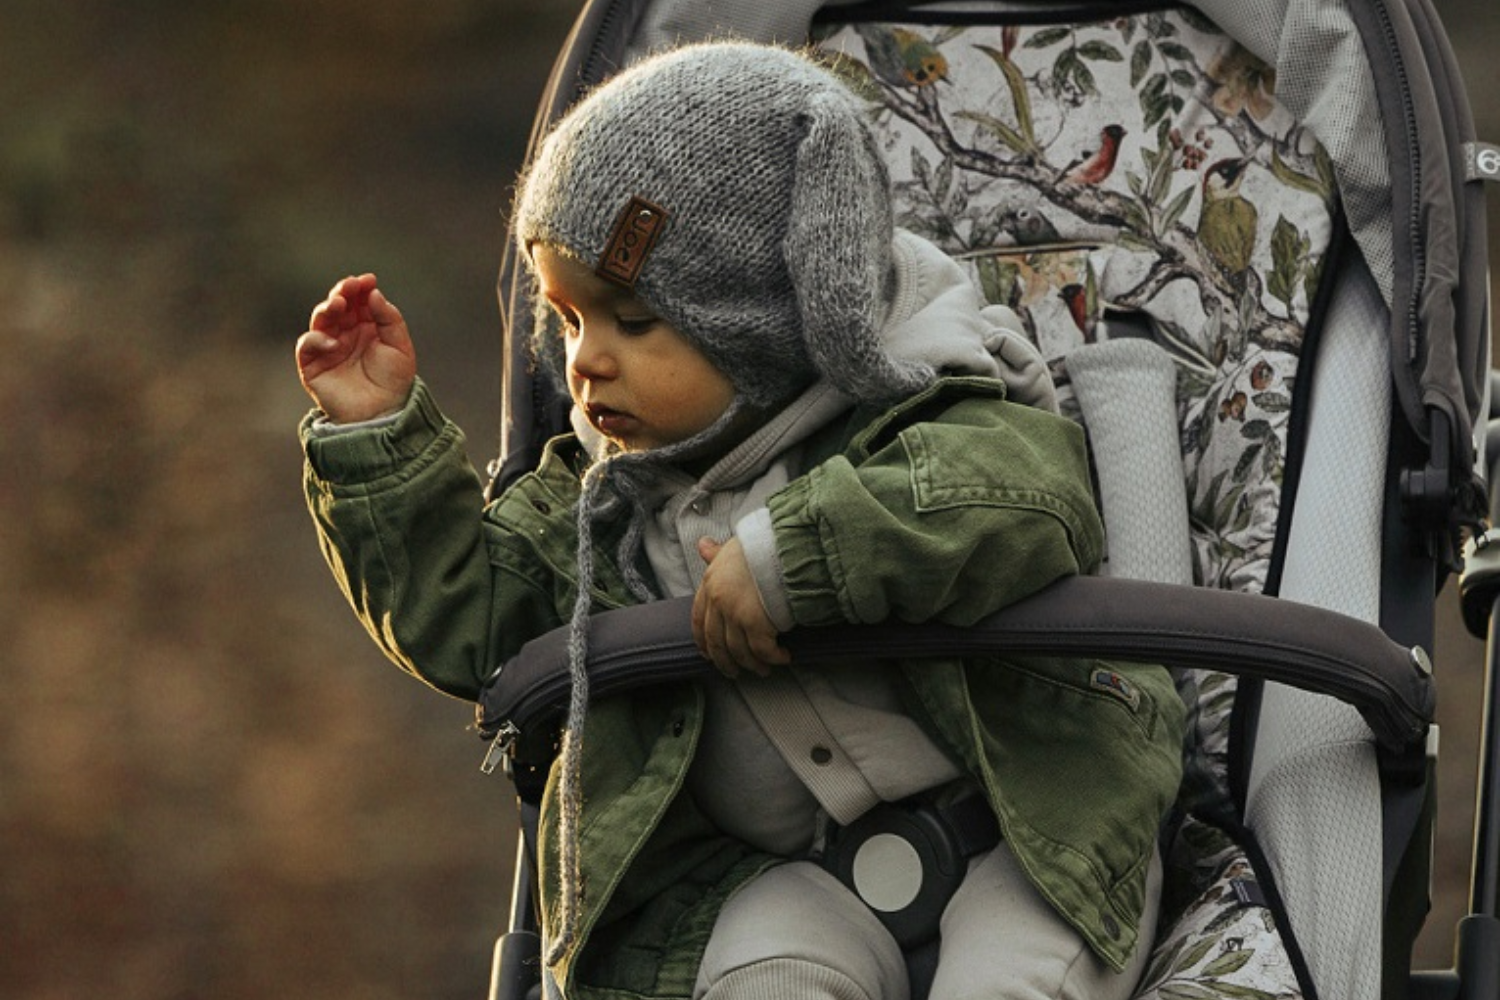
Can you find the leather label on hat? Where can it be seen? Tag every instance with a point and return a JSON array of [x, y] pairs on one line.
[[636, 231]]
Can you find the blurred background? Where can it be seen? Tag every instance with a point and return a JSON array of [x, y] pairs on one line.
[[211, 784]]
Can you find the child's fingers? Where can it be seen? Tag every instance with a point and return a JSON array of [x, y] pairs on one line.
[[390, 325], [314, 351], [328, 314]]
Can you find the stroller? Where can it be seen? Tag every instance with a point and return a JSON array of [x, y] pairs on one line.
[[1249, 241]]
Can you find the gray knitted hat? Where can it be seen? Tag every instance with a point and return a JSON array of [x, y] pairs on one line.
[[738, 191]]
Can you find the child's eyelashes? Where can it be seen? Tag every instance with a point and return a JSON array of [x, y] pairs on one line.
[[631, 326], [636, 325]]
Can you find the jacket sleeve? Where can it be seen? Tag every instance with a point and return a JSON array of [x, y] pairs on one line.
[[948, 514], [400, 519]]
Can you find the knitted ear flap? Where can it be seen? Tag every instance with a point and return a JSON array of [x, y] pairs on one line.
[[838, 253]]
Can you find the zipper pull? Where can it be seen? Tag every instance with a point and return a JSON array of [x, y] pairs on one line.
[[505, 738]]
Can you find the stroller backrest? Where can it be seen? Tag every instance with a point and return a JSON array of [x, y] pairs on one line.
[[1162, 228], [1171, 218]]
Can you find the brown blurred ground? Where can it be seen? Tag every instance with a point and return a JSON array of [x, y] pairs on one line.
[[211, 785]]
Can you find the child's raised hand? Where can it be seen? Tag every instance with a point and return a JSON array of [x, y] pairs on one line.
[[730, 624], [356, 359]]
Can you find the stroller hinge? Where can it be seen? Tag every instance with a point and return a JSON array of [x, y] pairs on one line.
[[1439, 505]]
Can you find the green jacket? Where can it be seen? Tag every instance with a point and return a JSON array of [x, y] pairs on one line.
[[945, 508]]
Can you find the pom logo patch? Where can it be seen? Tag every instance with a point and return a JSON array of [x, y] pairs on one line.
[[636, 231]]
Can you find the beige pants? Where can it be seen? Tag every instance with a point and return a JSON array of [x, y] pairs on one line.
[[797, 932]]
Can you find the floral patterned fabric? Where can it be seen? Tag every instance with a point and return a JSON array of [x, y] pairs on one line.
[[1134, 177], [1219, 939]]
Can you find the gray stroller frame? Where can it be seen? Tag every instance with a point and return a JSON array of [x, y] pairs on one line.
[[1325, 396]]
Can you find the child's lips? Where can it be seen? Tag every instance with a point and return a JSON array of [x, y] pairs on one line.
[[609, 421]]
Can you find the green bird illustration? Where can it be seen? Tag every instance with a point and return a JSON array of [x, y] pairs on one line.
[[903, 58], [1227, 223]]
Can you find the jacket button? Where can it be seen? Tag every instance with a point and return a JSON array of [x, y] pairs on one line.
[[821, 755], [1111, 926], [542, 506], [677, 727]]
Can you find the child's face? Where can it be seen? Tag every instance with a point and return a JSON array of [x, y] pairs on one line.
[[640, 382]]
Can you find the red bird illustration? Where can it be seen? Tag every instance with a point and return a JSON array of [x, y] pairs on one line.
[[1096, 164], [1077, 298]]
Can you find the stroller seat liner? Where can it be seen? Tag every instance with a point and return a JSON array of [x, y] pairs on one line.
[[1136, 178], [1185, 207]]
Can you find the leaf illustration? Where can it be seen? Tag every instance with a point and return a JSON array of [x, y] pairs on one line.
[[1007, 135], [1313, 276], [1195, 954], [1071, 68], [1176, 207], [948, 33], [1247, 459], [921, 169], [1242, 520], [1286, 262], [1292, 178], [1227, 505], [1020, 96], [1272, 402], [1229, 962], [944, 181], [1046, 38], [1100, 52], [1256, 430], [1162, 961], [1156, 103], [1233, 991], [1140, 62]]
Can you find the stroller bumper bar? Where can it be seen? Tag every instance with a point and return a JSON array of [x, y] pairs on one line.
[[1276, 640]]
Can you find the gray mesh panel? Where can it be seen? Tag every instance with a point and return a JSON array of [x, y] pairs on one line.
[[1314, 795]]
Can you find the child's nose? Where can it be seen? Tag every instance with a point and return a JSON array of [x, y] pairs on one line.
[[591, 356]]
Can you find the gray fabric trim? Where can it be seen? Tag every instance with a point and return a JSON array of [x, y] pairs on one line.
[[1314, 790]]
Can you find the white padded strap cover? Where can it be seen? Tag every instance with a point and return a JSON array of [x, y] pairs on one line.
[[1127, 392]]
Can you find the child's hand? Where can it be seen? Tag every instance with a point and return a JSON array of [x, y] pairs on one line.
[[356, 359], [730, 625]]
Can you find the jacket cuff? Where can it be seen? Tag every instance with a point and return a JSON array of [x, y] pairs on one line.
[[806, 567], [758, 539], [362, 453]]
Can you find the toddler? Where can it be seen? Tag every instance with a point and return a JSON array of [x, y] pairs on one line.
[[799, 414]]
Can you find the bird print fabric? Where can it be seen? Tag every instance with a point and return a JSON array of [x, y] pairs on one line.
[[1135, 176], [1137, 165]]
